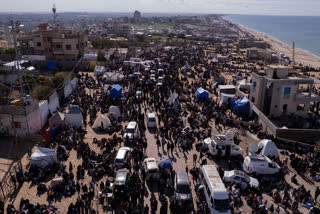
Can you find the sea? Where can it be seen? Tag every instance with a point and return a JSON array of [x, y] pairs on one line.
[[303, 30]]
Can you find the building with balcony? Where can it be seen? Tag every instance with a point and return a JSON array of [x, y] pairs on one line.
[[278, 92]]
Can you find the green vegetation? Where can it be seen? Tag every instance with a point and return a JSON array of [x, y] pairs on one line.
[[41, 91], [7, 51], [101, 57]]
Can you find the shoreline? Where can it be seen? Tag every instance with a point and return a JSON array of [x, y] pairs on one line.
[[301, 56]]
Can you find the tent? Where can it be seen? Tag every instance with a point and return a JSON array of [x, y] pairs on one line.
[[268, 148], [101, 120], [202, 94], [116, 91], [56, 120], [99, 70], [241, 106], [113, 77], [165, 164], [244, 84], [74, 117], [51, 65], [115, 112], [43, 157], [224, 98]]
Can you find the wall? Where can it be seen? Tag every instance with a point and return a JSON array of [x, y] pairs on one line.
[[44, 112], [67, 88], [8, 79], [54, 102], [302, 135]]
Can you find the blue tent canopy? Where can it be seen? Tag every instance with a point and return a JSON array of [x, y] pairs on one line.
[[241, 106], [116, 91], [202, 94], [165, 163], [51, 65]]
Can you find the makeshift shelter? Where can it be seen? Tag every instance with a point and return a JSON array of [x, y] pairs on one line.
[[116, 91], [114, 112], [43, 157], [241, 106], [202, 94], [268, 148], [74, 117], [51, 65], [113, 77], [56, 120], [243, 84], [99, 70], [224, 98], [165, 163], [101, 121]]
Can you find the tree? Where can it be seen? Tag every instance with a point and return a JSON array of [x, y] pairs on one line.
[[101, 57]]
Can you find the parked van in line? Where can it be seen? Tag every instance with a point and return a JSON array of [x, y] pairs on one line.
[[121, 183], [132, 131], [256, 164], [151, 168], [151, 120], [123, 158], [182, 192], [217, 196]]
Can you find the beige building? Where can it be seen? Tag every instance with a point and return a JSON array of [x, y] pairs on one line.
[[58, 43], [278, 92]]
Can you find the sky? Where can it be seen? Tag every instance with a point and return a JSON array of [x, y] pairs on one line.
[[262, 7]]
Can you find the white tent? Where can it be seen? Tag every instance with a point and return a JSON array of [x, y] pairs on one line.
[[43, 157], [113, 77], [74, 117], [99, 70], [225, 97], [243, 84], [268, 148], [101, 120], [114, 111]]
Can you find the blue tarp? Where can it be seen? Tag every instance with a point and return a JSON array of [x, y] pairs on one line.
[[241, 106], [74, 109], [202, 94], [51, 65], [116, 91], [53, 131], [165, 164]]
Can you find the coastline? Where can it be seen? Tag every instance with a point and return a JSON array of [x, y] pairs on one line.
[[301, 56]]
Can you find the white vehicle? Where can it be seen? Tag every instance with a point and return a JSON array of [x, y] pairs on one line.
[[152, 169], [225, 144], [132, 131], [217, 196], [123, 157], [153, 77], [239, 177], [259, 165], [151, 120]]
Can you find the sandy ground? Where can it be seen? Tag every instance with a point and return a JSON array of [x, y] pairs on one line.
[[301, 56]]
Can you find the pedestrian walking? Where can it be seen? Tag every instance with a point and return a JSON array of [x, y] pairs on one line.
[[195, 159]]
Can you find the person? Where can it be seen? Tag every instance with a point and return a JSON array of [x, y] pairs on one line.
[[187, 169], [316, 194], [194, 159]]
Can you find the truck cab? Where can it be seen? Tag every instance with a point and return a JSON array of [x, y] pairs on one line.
[[223, 144]]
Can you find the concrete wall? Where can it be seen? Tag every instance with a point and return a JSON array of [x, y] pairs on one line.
[[8, 79], [44, 112], [54, 102], [301, 135]]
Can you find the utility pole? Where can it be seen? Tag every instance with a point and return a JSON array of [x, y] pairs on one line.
[[17, 145], [293, 53]]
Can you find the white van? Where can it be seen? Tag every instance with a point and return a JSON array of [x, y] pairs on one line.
[[256, 164], [224, 144], [217, 196], [123, 158], [151, 120], [132, 131]]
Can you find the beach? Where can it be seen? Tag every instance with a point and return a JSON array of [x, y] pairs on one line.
[[301, 56]]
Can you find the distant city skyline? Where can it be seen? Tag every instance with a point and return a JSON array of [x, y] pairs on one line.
[[257, 7]]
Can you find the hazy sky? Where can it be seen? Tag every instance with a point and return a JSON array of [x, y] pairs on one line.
[[270, 7]]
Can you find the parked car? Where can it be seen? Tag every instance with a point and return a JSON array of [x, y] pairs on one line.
[[151, 168], [239, 177], [132, 132], [182, 193], [120, 185]]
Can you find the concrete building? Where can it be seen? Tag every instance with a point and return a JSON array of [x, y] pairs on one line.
[[250, 43], [278, 92], [57, 43], [136, 16]]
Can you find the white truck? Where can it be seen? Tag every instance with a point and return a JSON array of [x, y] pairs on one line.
[[225, 144]]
